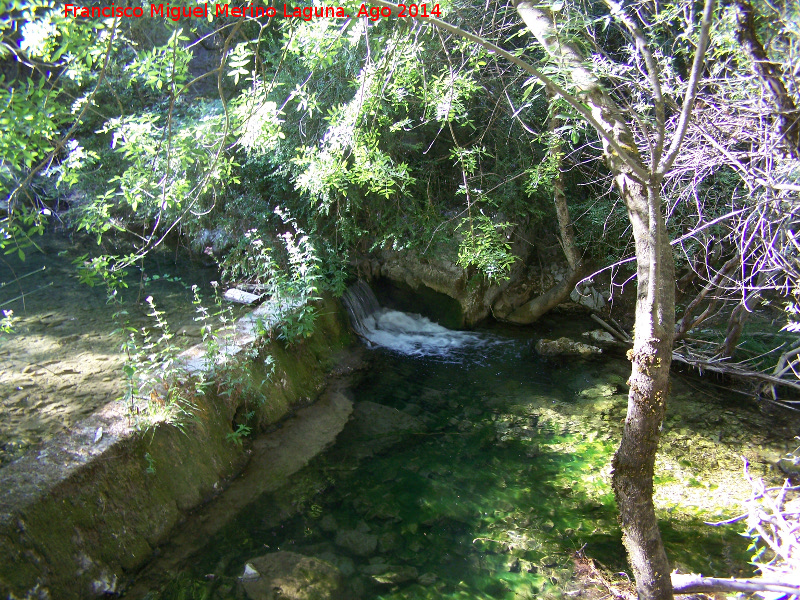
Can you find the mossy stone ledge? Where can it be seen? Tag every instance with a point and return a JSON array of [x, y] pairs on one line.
[[82, 512]]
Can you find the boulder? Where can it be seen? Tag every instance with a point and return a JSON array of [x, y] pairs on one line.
[[587, 296], [375, 420], [241, 297], [565, 347], [377, 427], [600, 336], [291, 576], [790, 466]]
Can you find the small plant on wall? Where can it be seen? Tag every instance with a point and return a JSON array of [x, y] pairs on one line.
[[288, 269], [154, 390]]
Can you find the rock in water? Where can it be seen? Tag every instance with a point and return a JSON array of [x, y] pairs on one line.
[[292, 576], [250, 573], [377, 427], [242, 297], [790, 466], [600, 336], [389, 574], [565, 347], [358, 542], [375, 420]]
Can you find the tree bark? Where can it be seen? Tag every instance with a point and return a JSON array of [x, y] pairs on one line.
[[533, 309], [634, 462], [565, 229], [694, 584]]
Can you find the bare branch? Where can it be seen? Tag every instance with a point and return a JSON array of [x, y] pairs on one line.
[[694, 584], [691, 91]]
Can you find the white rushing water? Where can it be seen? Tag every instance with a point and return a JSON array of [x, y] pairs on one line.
[[406, 333]]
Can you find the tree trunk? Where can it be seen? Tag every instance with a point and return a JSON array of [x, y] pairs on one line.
[[651, 356], [565, 229], [772, 76], [533, 309]]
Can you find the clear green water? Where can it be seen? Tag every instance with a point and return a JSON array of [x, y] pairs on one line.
[[508, 478], [64, 359]]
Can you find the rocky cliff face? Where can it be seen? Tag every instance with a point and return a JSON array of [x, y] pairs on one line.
[[540, 267]]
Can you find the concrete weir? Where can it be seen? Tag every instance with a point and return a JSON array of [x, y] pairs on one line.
[[83, 512]]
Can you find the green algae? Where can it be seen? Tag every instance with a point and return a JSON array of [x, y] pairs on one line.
[[509, 478]]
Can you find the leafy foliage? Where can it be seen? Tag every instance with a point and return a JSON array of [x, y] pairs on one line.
[[151, 371], [292, 279], [485, 247]]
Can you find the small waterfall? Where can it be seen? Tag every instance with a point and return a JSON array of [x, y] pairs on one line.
[[402, 332], [360, 302]]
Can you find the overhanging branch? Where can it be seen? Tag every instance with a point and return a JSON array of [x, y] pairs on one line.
[[549, 84]]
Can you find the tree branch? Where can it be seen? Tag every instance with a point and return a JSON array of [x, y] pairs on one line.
[[65, 138], [694, 584], [691, 90], [653, 74], [549, 84]]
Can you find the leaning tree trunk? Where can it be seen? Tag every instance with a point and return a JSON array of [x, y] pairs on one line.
[[565, 230], [772, 76], [532, 310]]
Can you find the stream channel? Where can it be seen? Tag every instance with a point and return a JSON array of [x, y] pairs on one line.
[[473, 468]]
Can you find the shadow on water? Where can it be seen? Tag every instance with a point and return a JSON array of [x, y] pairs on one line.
[[504, 479]]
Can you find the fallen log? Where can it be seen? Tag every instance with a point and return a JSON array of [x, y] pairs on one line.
[[619, 334], [732, 369], [697, 584]]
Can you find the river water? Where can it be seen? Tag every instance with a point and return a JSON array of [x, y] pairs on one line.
[[501, 476], [64, 358]]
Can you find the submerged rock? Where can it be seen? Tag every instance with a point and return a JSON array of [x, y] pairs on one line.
[[291, 576], [345, 564], [565, 347], [389, 574], [374, 420], [790, 466], [427, 579], [358, 542], [374, 427], [328, 523]]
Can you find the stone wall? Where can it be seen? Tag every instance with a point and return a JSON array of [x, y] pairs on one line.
[[81, 513]]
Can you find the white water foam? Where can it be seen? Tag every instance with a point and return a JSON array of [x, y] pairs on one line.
[[413, 334], [407, 333]]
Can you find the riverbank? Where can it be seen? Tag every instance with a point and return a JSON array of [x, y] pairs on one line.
[[64, 359], [82, 511]]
